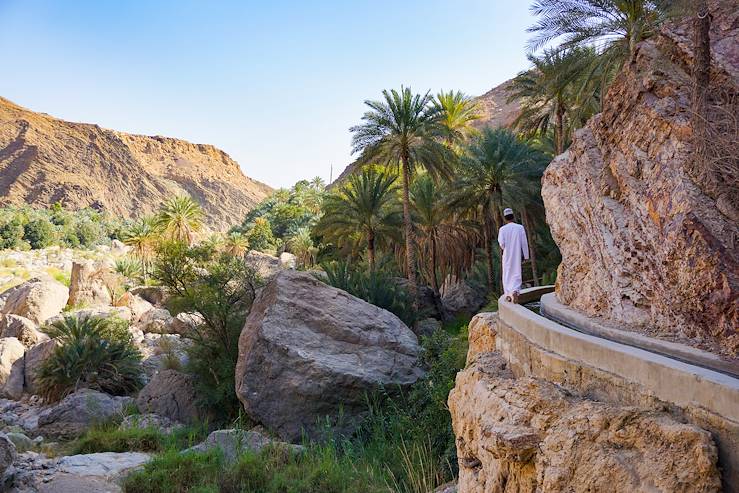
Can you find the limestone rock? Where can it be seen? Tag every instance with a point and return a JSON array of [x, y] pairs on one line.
[[171, 394], [481, 334], [185, 324], [644, 237], [149, 420], [121, 312], [73, 415], [136, 304], [156, 320], [11, 367], [234, 442], [529, 435], [21, 441], [87, 286], [308, 350], [427, 326], [156, 295], [266, 265], [461, 298], [32, 363], [36, 299], [22, 329], [7, 453]]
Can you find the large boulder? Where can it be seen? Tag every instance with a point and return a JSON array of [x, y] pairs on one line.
[[11, 367], [266, 265], [646, 226], [76, 413], [136, 304], [22, 329], [87, 286], [156, 320], [33, 359], [36, 299], [7, 453], [459, 297], [171, 394], [234, 442], [529, 435], [309, 352], [156, 295]]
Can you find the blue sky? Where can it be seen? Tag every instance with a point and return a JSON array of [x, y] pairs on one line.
[[276, 84]]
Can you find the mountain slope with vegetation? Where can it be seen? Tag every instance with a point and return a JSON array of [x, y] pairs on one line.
[[44, 160]]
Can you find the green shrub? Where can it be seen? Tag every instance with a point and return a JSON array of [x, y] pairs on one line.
[[94, 353], [381, 288], [129, 267], [319, 469], [89, 234], [110, 438], [220, 287], [11, 234], [39, 233]]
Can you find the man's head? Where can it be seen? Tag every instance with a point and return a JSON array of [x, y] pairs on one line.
[[508, 214]]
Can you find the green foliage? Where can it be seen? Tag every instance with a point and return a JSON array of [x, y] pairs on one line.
[[260, 236], [129, 267], [322, 468], [363, 213], [287, 211], [221, 288], [24, 227], [11, 233], [39, 233], [380, 287], [109, 437], [179, 219], [94, 353]]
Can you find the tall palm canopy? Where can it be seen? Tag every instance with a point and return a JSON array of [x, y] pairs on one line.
[[363, 211], [180, 218], [141, 236], [404, 129], [498, 169], [556, 93], [458, 111], [443, 238], [613, 27]]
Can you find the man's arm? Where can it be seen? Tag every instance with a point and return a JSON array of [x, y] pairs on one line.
[[525, 245]]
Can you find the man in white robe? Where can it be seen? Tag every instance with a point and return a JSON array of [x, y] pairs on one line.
[[512, 240]]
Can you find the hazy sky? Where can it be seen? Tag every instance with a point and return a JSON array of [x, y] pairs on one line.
[[276, 84]]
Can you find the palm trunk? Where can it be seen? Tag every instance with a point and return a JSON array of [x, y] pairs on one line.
[[435, 281], [371, 250], [532, 245], [410, 252], [559, 130], [489, 254], [701, 68]]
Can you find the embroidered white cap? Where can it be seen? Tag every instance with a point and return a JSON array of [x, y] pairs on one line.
[[507, 211]]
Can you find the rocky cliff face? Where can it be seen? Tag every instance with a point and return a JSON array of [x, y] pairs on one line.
[[528, 435], [44, 160], [647, 230]]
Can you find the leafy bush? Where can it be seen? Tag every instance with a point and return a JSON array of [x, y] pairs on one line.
[[129, 267], [38, 233], [381, 288], [110, 438], [94, 353], [320, 468], [221, 288], [260, 236], [11, 233]]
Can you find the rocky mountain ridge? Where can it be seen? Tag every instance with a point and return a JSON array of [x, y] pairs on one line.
[[44, 160]]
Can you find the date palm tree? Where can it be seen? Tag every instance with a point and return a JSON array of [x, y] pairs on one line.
[[180, 218], [404, 129], [301, 244], [235, 244], [141, 236], [613, 27], [498, 168], [555, 94], [457, 111], [443, 237], [364, 210]]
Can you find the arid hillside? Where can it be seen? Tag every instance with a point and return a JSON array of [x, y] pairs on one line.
[[44, 160]]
